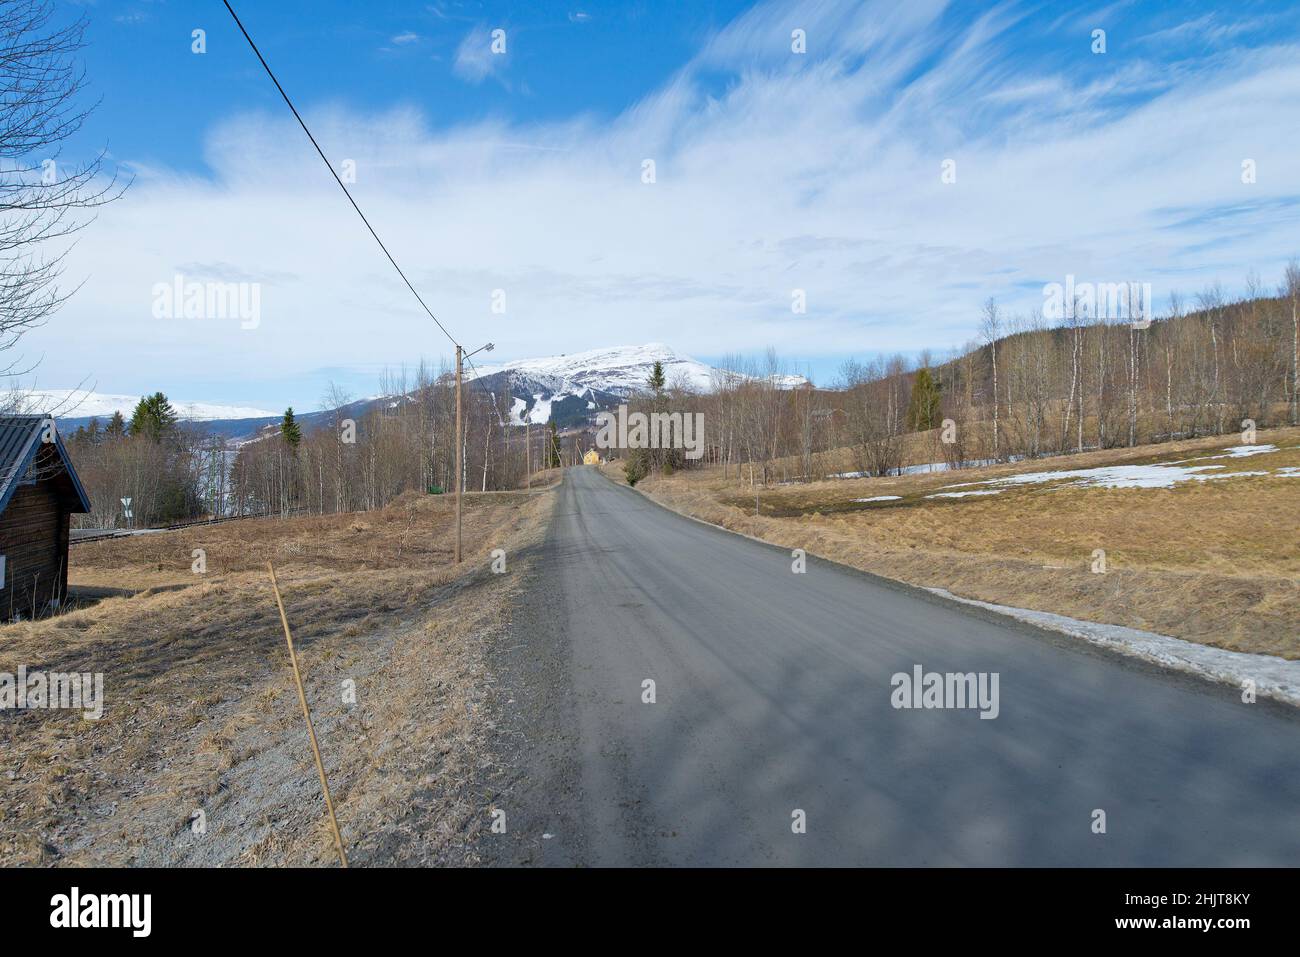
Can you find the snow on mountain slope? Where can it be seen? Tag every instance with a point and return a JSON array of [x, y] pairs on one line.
[[570, 389], [74, 403], [618, 371]]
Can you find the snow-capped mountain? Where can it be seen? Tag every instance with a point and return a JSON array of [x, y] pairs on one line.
[[620, 370], [567, 389], [571, 388], [77, 404]]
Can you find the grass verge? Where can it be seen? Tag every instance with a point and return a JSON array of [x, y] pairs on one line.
[[201, 715]]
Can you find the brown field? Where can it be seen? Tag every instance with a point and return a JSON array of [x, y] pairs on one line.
[[201, 710], [1217, 562]]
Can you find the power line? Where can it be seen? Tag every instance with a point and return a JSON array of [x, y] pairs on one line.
[[330, 166], [333, 173]]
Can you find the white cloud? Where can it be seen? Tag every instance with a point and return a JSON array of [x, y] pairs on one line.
[[475, 61], [404, 38], [820, 173], [1207, 29]]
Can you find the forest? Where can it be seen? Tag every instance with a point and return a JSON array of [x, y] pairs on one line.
[[1025, 389]]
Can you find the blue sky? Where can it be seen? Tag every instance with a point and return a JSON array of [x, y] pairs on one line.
[[776, 171], [372, 56]]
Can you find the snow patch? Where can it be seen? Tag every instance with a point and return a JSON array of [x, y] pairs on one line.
[[1274, 677], [541, 413], [925, 467], [1115, 476], [1241, 452], [879, 498], [517, 409]]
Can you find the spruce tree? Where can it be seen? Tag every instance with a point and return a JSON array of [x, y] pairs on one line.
[[657, 458], [656, 381], [923, 410], [290, 429], [153, 417], [637, 466]]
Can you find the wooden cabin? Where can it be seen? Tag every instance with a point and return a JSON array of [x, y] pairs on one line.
[[39, 491]]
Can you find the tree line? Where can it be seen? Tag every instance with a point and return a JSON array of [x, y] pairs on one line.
[[1026, 388], [149, 459], [357, 456], [364, 458]]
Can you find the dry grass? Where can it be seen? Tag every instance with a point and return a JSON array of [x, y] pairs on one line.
[[1216, 562], [201, 713], [399, 536]]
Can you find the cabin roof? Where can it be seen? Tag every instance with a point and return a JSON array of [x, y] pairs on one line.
[[20, 441]]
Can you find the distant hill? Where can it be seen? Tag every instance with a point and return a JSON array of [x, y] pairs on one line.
[[77, 405], [569, 389]]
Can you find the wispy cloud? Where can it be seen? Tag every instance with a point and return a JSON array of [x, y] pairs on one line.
[[774, 171], [1207, 29], [475, 58]]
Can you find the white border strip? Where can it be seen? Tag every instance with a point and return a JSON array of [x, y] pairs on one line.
[[1274, 677]]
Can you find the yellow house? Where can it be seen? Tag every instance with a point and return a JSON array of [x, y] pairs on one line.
[[591, 458]]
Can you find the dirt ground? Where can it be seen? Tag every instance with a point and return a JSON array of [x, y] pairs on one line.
[[1217, 562], [201, 713]]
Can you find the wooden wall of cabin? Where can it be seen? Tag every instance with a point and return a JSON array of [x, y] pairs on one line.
[[34, 541]]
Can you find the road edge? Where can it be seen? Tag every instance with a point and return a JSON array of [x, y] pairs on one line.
[[1162, 653]]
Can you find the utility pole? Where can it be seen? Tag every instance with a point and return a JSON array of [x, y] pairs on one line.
[[460, 451], [460, 436]]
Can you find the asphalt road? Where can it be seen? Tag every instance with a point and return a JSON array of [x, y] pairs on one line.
[[773, 694]]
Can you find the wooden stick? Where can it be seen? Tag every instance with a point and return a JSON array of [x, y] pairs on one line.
[[306, 713]]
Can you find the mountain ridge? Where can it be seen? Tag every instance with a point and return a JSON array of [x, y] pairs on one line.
[[567, 388]]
